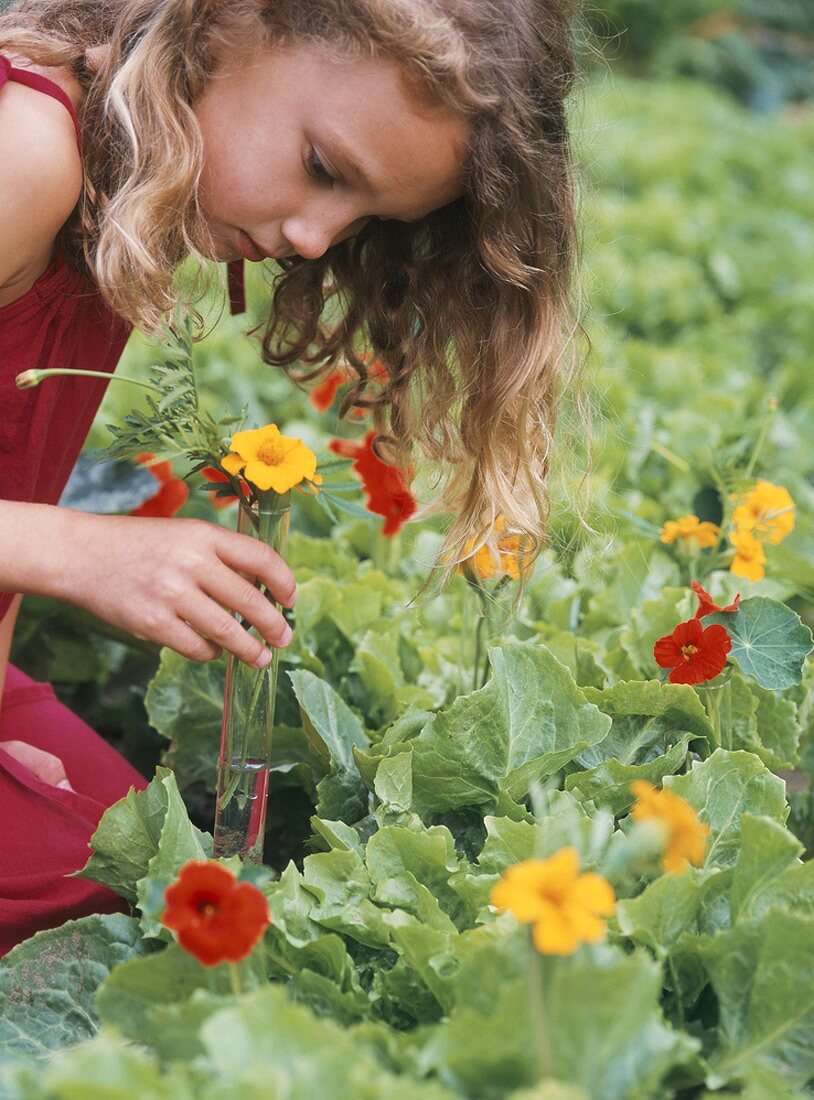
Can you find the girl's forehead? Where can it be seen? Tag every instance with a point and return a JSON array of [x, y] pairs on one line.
[[367, 120]]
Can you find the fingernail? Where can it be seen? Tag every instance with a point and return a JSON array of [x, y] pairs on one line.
[[293, 599], [263, 659], [285, 637]]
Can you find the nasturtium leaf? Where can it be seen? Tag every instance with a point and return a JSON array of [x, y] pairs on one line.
[[762, 972], [519, 729], [129, 834], [48, 983], [769, 641], [723, 788], [766, 851]]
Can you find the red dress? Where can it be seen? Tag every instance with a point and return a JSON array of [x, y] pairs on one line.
[[61, 321]]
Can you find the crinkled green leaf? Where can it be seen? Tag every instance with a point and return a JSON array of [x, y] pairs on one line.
[[763, 975], [527, 722], [653, 725], [48, 983], [723, 788], [129, 835]]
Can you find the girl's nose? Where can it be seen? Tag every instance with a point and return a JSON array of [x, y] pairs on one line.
[[308, 239], [312, 239]]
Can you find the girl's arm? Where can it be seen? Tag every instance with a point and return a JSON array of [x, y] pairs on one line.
[[169, 581]]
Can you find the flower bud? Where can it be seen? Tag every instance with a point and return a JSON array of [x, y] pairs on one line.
[[27, 380]]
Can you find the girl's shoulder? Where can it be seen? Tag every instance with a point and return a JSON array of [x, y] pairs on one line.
[[40, 177]]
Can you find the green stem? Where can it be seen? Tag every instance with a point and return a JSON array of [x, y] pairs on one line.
[[538, 1013], [476, 664], [236, 978], [38, 376], [761, 439], [671, 456]]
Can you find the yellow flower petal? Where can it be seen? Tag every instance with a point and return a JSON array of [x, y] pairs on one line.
[[270, 460], [233, 463]]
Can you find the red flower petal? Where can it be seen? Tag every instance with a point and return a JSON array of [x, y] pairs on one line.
[[708, 649], [385, 487], [706, 606], [323, 394], [216, 918], [172, 495]]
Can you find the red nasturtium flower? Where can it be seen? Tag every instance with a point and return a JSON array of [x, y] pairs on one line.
[[706, 606], [216, 918], [385, 486], [695, 653], [172, 491]]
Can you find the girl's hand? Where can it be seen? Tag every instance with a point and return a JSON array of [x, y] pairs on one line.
[[175, 582]]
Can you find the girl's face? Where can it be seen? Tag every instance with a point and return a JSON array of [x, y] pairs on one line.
[[300, 151]]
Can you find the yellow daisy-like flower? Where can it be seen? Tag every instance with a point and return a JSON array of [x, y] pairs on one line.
[[690, 529], [565, 907], [501, 556], [686, 836], [749, 557], [269, 460], [767, 511]]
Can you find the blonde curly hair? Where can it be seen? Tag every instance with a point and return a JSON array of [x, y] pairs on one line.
[[472, 311]]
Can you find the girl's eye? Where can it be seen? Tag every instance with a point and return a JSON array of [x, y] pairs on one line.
[[318, 170]]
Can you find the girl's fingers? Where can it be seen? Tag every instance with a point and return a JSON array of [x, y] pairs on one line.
[[219, 627], [235, 593], [190, 644], [243, 554]]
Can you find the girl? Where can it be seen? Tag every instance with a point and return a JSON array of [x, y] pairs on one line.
[[405, 162]]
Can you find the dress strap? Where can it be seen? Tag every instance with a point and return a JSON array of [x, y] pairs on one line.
[[40, 84], [236, 285]]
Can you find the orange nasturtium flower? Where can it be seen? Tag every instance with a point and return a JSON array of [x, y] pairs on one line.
[[767, 511], [693, 652], [323, 394], [565, 907], [750, 558], [502, 555], [385, 486], [172, 491], [216, 918], [685, 839], [269, 460], [690, 529]]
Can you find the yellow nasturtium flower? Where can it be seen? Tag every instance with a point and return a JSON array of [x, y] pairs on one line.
[[750, 559], [690, 529], [269, 460], [565, 907], [767, 511], [685, 836], [502, 555]]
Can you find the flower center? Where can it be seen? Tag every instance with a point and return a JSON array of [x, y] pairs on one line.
[[271, 452], [688, 650], [206, 908]]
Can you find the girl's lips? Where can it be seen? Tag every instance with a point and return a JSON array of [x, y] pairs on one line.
[[248, 248]]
